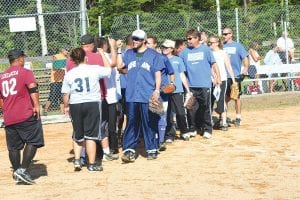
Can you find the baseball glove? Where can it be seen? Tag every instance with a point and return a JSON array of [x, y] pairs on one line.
[[234, 93], [168, 89], [190, 101], [156, 106]]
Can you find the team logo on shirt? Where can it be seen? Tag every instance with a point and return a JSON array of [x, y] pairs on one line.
[[145, 65], [192, 57], [230, 50]]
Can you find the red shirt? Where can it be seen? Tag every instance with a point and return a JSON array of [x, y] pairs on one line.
[[92, 59], [17, 103]]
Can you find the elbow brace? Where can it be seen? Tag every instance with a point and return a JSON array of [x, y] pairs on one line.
[[33, 90]]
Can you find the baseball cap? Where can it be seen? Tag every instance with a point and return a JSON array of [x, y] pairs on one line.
[[15, 53], [169, 44], [87, 39], [139, 34]]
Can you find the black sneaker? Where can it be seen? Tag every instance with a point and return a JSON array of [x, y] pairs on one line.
[[162, 146], [224, 127], [94, 168], [128, 156], [77, 165], [237, 122], [152, 156], [23, 175]]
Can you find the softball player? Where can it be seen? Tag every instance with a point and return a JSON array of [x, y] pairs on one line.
[[143, 66], [81, 91]]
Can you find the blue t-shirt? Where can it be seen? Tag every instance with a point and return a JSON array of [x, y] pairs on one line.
[[178, 67], [141, 74], [166, 71], [237, 53], [198, 62]]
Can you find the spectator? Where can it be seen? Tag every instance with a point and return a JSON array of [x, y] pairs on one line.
[[238, 56], [22, 121], [254, 63], [272, 58], [57, 75], [199, 62], [286, 46], [143, 67], [82, 102]]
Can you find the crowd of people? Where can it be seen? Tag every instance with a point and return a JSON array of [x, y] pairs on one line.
[[105, 81]]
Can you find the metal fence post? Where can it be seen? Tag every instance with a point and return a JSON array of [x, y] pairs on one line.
[[42, 27], [137, 22], [237, 24], [100, 26], [219, 18], [83, 17]]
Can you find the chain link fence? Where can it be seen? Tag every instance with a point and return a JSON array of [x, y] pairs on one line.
[[262, 24], [56, 26]]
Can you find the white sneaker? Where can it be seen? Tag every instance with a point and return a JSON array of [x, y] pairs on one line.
[[192, 134], [207, 135]]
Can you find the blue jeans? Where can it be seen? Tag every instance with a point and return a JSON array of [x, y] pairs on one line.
[[140, 119]]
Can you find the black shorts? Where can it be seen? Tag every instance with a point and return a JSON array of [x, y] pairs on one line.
[[86, 121], [27, 132], [221, 105], [229, 83], [55, 92]]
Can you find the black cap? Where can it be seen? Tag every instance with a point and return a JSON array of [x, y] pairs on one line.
[[87, 39], [15, 53]]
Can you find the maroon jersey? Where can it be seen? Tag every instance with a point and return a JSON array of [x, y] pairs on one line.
[[17, 103]]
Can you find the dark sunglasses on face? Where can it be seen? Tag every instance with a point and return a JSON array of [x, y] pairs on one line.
[[226, 33], [210, 43], [189, 38], [137, 39]]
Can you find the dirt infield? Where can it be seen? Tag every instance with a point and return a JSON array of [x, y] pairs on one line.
[[259, 160]]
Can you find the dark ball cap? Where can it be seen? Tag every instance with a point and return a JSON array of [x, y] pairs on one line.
[[15, 53], [87, 39]]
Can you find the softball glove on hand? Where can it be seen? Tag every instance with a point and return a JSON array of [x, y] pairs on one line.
[[168, 89], [156, 106], [234, 93], [190, 101]]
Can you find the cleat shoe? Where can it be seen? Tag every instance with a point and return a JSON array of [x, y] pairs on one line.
[[207, 135], [237, 122], [185, 136], [77, 165], [94, 168], [224, 127], [169, 141], [162, 146], [128, 156], [152, 156], [17, 180], [193, 133], [109, 157], [24, 176]]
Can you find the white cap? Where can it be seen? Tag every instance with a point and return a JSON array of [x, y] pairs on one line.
[[169, 44], [139, 34]]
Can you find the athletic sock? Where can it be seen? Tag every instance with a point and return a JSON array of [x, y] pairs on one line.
[[14, 157], [28, 154], [82, 153], [106, 150], [239, 116]]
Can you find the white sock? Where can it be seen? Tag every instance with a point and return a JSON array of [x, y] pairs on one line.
[[238, 116], [106, 150]]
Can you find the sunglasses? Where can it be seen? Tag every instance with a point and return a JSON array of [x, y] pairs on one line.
[[210, 43], [137, 39], [226, 33], [189, 38]]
